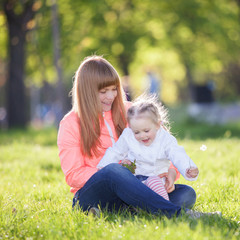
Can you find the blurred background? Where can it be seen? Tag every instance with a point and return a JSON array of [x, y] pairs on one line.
[[186, 52]]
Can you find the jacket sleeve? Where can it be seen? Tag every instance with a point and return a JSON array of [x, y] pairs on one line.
[[73, 163], [179, 157], [115, 153]]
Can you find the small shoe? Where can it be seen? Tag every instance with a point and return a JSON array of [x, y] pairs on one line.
[[217, 213], [93, 211], [195, 214]]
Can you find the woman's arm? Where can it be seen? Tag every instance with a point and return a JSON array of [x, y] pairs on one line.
[[170, 176], [175, 170]]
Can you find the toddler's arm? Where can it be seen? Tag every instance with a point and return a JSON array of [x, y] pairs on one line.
[[181, 160], [115, 153]]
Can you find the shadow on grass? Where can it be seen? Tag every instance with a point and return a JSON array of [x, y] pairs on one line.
[[50, 167], [44, 137], [191, 129], [227, 227], [188, 129], [124, 215]]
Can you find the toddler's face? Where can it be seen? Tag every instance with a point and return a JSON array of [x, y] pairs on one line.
[[144, 130]]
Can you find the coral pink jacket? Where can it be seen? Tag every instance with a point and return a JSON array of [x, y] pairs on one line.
[[77, 167]]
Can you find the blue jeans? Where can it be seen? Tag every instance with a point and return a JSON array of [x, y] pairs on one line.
[[115, 186]]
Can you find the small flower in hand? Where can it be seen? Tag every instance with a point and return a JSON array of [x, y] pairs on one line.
[[129, 165]]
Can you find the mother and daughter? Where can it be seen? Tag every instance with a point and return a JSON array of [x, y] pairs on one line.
[[103, 129]]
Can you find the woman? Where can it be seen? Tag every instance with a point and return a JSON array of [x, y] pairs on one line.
[[96, 121]]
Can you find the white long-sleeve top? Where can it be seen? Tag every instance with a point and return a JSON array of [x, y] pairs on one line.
[[150, 160]]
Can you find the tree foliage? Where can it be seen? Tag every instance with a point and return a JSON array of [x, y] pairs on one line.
[[187, 42]]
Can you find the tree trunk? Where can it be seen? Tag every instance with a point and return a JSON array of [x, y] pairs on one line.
[[60, 101], [238, 3], [17, 29], [124, 64], [190, 83]]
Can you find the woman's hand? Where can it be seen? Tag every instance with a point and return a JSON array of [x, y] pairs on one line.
[[192, 172], [170, 178]]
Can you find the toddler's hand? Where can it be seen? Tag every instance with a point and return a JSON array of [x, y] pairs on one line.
[[192, 172], [129, 165], [126, 161]]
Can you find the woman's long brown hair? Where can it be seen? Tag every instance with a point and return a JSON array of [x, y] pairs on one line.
[[93, 74]]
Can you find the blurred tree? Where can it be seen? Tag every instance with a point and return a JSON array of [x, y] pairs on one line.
[[59, 104], [188, 40], [199, 37], [19, 16], [100, 27], [204, 34]]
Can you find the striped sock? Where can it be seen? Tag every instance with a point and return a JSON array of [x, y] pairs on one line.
[[157, 185]]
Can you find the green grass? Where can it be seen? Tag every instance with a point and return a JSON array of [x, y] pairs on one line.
[[35, 201]]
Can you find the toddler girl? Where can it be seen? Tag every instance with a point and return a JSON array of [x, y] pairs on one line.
[[148, 141]]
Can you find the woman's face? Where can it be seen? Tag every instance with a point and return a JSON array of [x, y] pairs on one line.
[[107, 96]]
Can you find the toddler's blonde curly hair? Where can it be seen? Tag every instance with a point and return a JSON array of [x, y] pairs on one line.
[[148, 105]]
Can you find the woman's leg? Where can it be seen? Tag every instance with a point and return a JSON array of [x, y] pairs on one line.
[[183, 196], [116, 184], [157, 185]]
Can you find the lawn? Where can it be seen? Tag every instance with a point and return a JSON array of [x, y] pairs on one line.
[[35, 201]]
